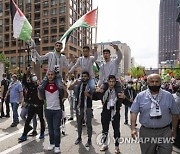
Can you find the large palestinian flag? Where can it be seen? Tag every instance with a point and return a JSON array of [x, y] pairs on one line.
[[22, 29], [88, 21]]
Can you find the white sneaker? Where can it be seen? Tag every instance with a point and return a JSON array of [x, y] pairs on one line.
[[56, 150], [51, 147]]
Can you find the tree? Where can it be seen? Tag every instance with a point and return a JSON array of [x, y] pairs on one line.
[[176, 72], [137, 72], [4, 59]]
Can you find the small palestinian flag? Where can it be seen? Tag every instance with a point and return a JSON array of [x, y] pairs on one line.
[[22, 29], [95, 67], [88, 21]]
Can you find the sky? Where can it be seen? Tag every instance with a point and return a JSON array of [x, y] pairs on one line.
[[134, 22]]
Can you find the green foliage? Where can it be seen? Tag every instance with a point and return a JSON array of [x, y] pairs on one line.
[[136, 72], [4, 59], [176, 72]]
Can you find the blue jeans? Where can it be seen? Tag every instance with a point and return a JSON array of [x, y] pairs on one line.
[[91, 84], [54, 121], [15, 112], [42, 87]]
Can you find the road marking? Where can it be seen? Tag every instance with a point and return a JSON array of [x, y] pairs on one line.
[[19, 145], [2, 134], [11, 134]]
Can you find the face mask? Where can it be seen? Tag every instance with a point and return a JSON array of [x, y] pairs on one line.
[[12, 80], [34, 78], [129, 85], [154, 88]]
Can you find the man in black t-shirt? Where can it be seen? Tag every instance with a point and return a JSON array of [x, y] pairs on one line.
[[4, 88]]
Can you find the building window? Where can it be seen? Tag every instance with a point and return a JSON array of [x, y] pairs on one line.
[[53, 11], [62, 9], [62, 1], [1, 44], [45, 39], [61, 29], [46, 22], [45, 31], [45, 4], [13, 61], [37, 24], [20, 61], [53, 30], [61, 20], [54, 20], [53, 2], [45, 12], [53, 39]]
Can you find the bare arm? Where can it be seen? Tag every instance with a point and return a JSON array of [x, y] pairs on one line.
[[20, 97], [7, 94], [39, 96], [133, 125]]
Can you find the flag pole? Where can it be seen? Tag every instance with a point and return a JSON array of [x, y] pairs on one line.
[[96, 27]]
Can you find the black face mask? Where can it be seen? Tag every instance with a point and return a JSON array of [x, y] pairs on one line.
[[154, 88]]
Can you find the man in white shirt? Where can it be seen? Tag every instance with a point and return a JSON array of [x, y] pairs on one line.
[[53, 112], [110, 67], [56, 61], [86, 64]]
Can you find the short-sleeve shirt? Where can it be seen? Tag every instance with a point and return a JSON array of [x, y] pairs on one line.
[[15, 90], [142, 105]]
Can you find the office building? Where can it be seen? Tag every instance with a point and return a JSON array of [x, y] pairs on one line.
[[49, 19]]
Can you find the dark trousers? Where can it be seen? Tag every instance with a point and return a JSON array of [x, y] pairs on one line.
[[7, 107], [105, 121], [150, 147], [126, 112], [80, 118], [31, 112]]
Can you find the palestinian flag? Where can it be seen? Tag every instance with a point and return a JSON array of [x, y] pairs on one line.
[[95, 67], [22, 29], [88, 21]]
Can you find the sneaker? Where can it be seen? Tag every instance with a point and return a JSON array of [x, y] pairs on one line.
[[34, 133], [22, 139], [41, 136], [51, 147], [116, 150], [13, 124], [56, 150], [79, 140], [88, 143], [103, 147]]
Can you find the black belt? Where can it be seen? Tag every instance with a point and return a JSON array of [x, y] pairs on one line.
[[158, 127]]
